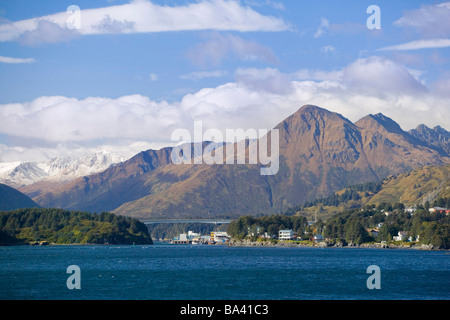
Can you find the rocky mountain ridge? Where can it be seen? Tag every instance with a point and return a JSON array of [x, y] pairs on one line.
[[320, 152], [59, 169]]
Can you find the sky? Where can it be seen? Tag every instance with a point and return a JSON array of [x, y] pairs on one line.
[[81, 76]]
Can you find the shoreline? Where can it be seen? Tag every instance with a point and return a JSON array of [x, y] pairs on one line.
[[288, 244], [52, 244], [261, 244]]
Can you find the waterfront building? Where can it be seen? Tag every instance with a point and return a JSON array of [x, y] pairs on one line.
[[285, 235]]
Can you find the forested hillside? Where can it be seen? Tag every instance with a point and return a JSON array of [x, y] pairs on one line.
[[356, 226], [25, 226]]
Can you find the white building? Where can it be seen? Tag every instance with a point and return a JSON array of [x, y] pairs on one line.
[[192, 235], [183, 237], [285, 235], [411, 209], [402, 235], [437, 209], [221, 236]]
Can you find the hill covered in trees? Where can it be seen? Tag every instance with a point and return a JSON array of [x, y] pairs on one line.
[[39, 225], [419, 187], [384, 223], [253, 226], [356, 226]]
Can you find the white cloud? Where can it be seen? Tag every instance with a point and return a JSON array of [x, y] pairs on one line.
[[109, 25], [16, 60], [365, 86], [219, 47], [441, 86], [49, 126], [432, 24], [429, 20], [324, 25], [143, 16], [124, 148], [62, 119], [317, 75], [375, 76], [379, 76], [419, 44], [260, 3], [153, 77], [266, 80], [329, 49], [346, 28], [371, 76], [46, 32]]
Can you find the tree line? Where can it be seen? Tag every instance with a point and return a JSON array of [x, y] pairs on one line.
[[355, 226], [59, 226], [350, 193], [251, 226], [171, 230], [352, 226]]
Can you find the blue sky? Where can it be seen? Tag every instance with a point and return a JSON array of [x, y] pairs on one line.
[[133, 71]]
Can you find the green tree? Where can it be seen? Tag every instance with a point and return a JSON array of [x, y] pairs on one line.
[[387, 231], [356, 233]]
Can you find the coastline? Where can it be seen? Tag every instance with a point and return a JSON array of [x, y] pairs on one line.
[[262, 244], [53, 244], [293, 244]]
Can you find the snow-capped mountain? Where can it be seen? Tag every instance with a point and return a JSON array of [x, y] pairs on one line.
[[19, 174]]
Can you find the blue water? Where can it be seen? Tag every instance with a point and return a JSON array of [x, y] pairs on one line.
[[170, 272]]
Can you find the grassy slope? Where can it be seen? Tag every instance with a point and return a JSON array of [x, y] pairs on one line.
[[414, 187]]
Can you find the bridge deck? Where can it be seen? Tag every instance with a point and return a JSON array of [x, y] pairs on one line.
[[217, 221]]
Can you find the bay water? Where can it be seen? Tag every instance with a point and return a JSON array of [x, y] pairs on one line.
[[205, 272]]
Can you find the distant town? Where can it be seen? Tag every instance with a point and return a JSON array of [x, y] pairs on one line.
[[216, 237], [311, 233]]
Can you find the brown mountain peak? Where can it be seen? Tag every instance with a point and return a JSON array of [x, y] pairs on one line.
[[320, 152], [379, 122], [309, 110], [310, 116]]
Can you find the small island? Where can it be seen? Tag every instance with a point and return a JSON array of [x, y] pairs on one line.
[[41, 226]]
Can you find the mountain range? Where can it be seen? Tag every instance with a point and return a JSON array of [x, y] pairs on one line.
[[437, 136], [320, 152], [59, 169]]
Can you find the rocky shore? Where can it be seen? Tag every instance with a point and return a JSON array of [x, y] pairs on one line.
[[323, 244]]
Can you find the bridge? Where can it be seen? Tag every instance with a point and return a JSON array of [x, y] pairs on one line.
[[213, 221]]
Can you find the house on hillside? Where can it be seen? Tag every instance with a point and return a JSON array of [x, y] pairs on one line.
[[402, 235], [417, 238], [285, 235], [410, 210], [318, 237], [438, 209]]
